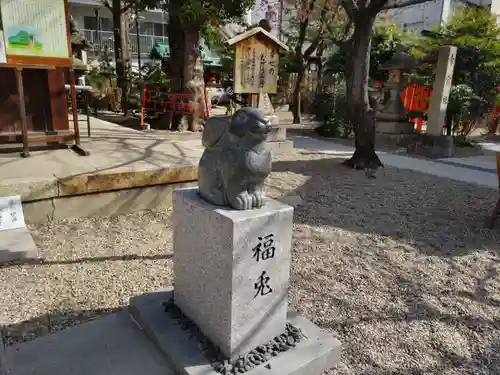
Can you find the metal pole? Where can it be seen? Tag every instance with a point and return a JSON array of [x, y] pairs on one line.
[[97, 36], [281, 20], [138, 39]]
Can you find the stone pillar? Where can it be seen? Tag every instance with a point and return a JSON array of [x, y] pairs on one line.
[[441, 90], [231, 270]]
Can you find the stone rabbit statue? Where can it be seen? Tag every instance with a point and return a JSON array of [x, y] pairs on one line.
[[235, 162]]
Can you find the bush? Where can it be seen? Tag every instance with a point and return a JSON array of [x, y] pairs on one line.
[[330, 109]]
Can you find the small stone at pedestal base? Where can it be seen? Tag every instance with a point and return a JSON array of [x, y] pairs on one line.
[[316, 353], [432, 146]]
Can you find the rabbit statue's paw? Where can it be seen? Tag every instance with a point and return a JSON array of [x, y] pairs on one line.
[[242, 201]]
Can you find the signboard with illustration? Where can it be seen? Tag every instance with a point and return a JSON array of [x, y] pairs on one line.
[[256, 62], [36, 31]]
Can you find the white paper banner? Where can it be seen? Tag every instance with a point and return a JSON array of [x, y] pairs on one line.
[[11, 213]]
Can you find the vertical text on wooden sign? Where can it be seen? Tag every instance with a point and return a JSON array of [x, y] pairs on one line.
[[256, 67]]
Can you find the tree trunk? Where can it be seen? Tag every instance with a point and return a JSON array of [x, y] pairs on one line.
[[296, 97], [176, 63], [186, 67], [119, 34], [361, 114], [193, 76]]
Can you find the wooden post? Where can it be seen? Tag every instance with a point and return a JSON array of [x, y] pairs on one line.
[[74, 106], [22, 111], [254, 100]]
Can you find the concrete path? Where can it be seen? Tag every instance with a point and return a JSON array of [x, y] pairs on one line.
[[112, 345], [118, 157], [485, 163], [436, 168]]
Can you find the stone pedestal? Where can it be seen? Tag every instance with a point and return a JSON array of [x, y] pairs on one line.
[[231, 270], [431, 146], [276, 139], [231, 280]]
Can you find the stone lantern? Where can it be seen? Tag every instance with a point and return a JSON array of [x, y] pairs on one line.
[[392, 117]]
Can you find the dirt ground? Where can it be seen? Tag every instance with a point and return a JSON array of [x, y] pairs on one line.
[[401, 268]]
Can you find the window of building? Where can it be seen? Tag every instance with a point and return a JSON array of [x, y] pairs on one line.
[[106, 24], [150, 28], [90, 23]]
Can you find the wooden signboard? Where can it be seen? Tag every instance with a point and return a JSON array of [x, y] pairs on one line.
[[36, 32], [35, 46], [256, 62]]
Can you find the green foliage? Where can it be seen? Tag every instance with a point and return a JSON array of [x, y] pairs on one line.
[[477, 65], [216, 42], [198, 12], [330, 109], [384, 40], [100, 76]]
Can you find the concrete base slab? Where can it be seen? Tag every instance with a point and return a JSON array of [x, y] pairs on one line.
[[102, 204], [111, 345], [17, 244], [435, 147], [316, 353]]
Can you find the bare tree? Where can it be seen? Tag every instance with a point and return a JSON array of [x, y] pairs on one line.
[[356, 44], [310, 23]]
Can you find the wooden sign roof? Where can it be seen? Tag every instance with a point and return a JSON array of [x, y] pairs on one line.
[[257, 31]]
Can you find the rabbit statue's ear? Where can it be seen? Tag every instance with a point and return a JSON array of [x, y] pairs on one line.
[[214, 129]]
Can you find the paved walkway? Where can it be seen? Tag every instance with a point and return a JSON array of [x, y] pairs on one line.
[[111, 345], [119, 158], [437, 168]]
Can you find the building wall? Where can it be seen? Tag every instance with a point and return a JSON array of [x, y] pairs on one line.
[[79, 11], [428, 15]]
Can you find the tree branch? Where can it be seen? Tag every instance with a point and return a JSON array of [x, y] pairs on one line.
[[395, 5], [319, 37], [303, 27], [106, 4]]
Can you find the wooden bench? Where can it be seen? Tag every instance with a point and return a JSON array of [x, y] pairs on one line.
[[496, 212]]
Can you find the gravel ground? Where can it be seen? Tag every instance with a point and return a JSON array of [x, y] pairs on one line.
[[400, 267]]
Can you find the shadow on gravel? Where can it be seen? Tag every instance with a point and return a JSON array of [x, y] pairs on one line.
[[50, 323], [437, 216], [113, 258]]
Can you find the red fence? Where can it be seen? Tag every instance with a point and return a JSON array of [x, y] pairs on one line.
[[157, 100]]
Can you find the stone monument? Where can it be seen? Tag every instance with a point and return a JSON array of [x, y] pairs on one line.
[[228, 313], [392, 118], [433, 143]]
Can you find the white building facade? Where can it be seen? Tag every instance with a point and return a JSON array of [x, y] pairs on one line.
[[433, 13], [95, 22]]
